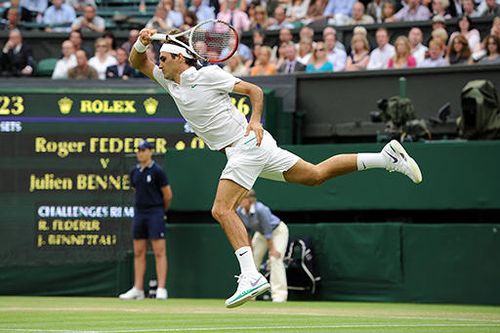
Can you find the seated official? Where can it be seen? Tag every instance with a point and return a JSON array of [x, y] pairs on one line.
[[270, 234]]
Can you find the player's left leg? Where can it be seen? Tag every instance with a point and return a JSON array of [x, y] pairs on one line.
[[393, 157], [250, 282]]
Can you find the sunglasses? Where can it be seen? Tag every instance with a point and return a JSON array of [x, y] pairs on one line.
[[320, 49], [101, 46]]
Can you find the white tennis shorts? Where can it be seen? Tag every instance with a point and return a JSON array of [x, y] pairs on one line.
[[246, 161]]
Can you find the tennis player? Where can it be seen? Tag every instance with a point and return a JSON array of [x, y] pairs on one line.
[[202, 97]]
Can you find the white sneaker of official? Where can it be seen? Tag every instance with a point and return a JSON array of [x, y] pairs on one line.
[[161, 293], [133, 293], [248, 288], [398, 160]]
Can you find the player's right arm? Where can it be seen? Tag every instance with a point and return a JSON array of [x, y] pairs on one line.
[[140, 60]]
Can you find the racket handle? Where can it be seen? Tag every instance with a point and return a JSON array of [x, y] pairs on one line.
[[160, 37]]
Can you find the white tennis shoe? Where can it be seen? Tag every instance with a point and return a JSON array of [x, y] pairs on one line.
[[248, 288], [133, 293], [397, 159], [161, 293]]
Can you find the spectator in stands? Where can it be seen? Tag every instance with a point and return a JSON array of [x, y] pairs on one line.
[[440, 7], [79, 5], [305, 50], [470, 8], [316, 10], [491, 44], [339, 9], [495, 27], [441, 34], [438, 22], [132, 38], [306, 32], [319, 61], [190, 20], [418, 50], [388, 11], [260, 20], [59, 14], [336, 55], [235, 66], [67, 61], [379, 58], [76, 38], [285, 36], [436, 54], [280, 60], [174, 17], [244, 52], [291, 64], [456, 8], [492, 9], [359, 16], [12, 19], [279, 20], [255, 52], [32, 10], [359, 57], [202, 10], [458, 51], [82, 70], [264, 65], [332, 31], [413, 11], [122, 70], [298, 10], [258, 37], [470, 34], [159, 21], [110, 39], [102, 60], [17, 57], [89, 21], [403, 57], [234, 16], [375, 10]]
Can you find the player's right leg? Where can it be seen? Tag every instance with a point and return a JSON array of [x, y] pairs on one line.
[[250, 282], [393, 157]]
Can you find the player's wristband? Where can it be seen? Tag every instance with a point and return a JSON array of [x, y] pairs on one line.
[[139, 47]]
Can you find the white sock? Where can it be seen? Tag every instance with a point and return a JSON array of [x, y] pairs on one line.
[[245, 258], [371, 160]]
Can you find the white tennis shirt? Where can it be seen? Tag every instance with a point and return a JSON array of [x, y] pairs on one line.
[[202, 98]]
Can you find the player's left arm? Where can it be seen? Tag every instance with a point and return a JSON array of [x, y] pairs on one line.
[[257, 99]]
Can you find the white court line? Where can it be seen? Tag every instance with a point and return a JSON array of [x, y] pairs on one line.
[[250, 328]]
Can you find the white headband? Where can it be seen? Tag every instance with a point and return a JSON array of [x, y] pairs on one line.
[[175, 49]]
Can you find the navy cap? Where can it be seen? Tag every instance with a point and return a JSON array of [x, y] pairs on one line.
[[145, 145]]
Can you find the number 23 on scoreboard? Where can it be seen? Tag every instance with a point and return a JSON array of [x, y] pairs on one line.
[[11, 105]]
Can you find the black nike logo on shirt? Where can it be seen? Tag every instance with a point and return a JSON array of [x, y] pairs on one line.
[[243, 253]]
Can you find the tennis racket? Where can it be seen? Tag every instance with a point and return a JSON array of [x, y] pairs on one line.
[[211, 40]]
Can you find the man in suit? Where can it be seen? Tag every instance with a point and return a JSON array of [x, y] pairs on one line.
[[16, 58], [291, 65], [122, 70]]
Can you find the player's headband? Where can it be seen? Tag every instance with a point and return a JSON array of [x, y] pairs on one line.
[[175, 49]]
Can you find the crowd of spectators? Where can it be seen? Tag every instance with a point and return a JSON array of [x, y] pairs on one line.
[[306, 54]]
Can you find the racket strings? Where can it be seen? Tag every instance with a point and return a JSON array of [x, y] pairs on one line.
[[214, 41]]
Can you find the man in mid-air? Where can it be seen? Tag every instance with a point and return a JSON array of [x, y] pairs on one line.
[[202, 97]]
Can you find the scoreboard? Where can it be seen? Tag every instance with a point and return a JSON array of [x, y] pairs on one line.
[[65, 158]]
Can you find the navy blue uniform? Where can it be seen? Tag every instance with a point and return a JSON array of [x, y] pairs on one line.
[[149, 204]]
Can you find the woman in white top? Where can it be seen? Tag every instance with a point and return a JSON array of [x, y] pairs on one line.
[[467, 30], [101, 60], [235, 66], [298, 10]]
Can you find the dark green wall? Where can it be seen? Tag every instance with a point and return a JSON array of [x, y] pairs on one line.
[[457, 175], [357, 262]]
